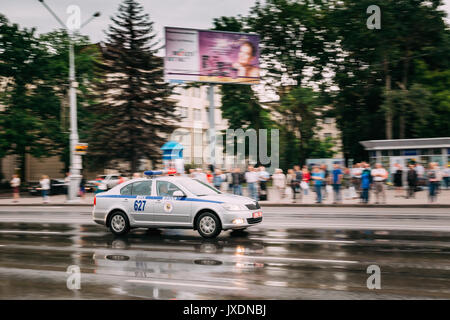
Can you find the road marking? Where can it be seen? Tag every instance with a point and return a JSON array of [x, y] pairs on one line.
[[299, 259], [30, 232], [185, 284], [303, 240]]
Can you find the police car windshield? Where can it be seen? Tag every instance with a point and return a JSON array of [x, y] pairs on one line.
[[199, 188]]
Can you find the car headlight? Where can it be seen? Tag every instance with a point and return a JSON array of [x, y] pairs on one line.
[[233, 207]]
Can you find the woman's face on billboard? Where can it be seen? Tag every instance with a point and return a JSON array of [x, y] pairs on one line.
[[245, 54]]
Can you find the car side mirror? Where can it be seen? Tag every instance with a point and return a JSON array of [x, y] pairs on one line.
[[178, 193]]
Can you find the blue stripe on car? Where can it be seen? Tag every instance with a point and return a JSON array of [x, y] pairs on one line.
[[156, 198]]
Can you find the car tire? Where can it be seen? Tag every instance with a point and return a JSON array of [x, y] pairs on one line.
[[208, 225], [118, 223]]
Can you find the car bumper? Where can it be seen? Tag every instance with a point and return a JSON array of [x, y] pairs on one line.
[[246, 217]]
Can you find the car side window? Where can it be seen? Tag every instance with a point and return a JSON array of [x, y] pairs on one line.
[[126, 191], [166, 189], [142, 188]]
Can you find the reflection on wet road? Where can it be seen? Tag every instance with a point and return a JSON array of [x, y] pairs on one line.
[[263, 263]]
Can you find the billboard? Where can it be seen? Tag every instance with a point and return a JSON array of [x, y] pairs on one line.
[[211, 56]]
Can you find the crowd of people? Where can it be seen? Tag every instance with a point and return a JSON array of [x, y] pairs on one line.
[[337, 183], [357, 182]]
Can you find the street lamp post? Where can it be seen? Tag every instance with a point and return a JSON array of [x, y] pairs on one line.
[[75, 159]]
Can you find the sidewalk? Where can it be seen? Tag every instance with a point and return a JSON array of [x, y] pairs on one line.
[[421, 200], [393, 199]]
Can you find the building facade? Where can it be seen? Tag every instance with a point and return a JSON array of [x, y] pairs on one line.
[[403, 151], [192, 105]]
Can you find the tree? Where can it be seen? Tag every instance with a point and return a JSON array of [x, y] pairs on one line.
[[300, 109], [409, 28], [295, 45], [55, 73], [31, 107], [240, 105], [134, 110]]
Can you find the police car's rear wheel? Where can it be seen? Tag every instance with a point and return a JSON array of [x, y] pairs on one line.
[[208, 225], [119, 224]]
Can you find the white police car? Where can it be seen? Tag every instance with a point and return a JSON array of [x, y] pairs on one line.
[[173, 202]]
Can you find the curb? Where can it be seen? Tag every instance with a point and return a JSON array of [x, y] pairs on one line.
[[356, 205], [261, 203]]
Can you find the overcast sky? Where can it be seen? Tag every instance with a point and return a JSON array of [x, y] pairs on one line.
[[178, 13], [197, 14]]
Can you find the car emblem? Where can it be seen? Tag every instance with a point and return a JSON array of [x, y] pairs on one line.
[[168, 207]]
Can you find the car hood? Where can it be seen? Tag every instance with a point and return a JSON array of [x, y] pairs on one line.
[[228, 198]]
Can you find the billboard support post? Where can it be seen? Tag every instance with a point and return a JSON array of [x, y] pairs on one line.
[[212, 129]]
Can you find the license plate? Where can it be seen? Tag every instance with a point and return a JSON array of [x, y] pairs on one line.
[[257, 214]]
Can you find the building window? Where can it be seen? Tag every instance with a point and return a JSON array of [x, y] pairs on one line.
[[327, 135], [437, 151], [184, 112], [410, 152], [197, 115], [328, 120]]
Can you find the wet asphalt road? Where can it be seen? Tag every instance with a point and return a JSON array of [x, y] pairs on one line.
[[296, 253]]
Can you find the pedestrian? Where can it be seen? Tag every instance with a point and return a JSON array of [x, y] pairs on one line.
[[346, 183], [318, 176], [252, 177], [15, 185], [326, 181], [306, 177], [217, 179], [136, 175], [237, 178], [209, 176], [83, 187], [100, 186], [446, 176], [421, 179], [45, 187], [398, 179], [356, 173], [337, 181], [379, 175], [298, 180], [66, 184], [200, 175], [291, 182], [411, 178], [229, 175], [366, 181], [434, 177], [263, 178], [279, 183]]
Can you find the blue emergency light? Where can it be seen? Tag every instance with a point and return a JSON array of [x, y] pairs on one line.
[[160, 172]]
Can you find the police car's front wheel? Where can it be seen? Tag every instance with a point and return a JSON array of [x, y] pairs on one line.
[[208, 225], [119, 224]]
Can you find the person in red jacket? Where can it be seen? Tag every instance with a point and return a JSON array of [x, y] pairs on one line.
[[306, 178]]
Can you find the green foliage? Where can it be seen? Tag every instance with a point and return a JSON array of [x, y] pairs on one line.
[[133, 109], [376, 75], [322, 148], [300, 109], [36, 73]]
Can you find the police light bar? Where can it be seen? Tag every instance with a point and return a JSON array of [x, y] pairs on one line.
[[160, 172]]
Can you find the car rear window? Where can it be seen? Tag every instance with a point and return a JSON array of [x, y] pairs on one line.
[[126, 191], [142, 188]]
